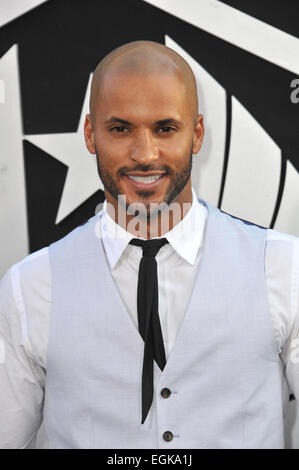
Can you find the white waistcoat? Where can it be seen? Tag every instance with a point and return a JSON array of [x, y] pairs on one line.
[[226, 378]]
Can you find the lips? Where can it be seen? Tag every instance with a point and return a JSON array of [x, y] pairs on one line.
[[149, 180], [144, 179]]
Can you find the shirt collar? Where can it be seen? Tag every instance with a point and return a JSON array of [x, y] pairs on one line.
[[185, 237]]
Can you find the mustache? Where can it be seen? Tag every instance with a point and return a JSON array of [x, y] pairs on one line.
[[144, 169]]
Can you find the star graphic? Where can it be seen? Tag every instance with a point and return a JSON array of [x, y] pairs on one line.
[[82, 179]]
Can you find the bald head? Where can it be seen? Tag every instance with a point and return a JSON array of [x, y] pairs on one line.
[[142, 58]]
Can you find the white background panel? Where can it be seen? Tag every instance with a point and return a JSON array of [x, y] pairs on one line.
[[253, 170]]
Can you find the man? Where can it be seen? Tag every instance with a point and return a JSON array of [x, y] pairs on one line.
[[133, 335]]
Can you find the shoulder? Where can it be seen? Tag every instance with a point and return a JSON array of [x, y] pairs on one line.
[[277, 242], [90, 226], [220, 213], [282, 236], [30, 281], [25, 301], [239, 221], [283, 246], [34, 269], [31, 276], [282, 274], [236, 226], [282, 256], [31, 269]]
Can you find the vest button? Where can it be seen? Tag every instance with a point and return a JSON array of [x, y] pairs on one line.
[[165, 392], [167, 436]]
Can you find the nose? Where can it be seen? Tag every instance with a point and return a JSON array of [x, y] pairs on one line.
[[144, 149]]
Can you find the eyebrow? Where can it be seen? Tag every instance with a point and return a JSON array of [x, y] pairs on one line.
[[161, 122]]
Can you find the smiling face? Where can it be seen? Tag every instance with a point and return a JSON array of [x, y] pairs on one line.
[[144, 131]]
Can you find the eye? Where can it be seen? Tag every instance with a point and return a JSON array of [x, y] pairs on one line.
[[166, 129], [119, 129]]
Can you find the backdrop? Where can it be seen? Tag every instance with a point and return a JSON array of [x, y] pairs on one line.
[[245, 56]]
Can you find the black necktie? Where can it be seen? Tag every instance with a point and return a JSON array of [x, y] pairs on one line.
[[148, 317]]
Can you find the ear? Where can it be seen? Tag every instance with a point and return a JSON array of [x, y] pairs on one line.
[[89, 134], [198, 134]]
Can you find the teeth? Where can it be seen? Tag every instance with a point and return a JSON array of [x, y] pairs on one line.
[[144, 179]]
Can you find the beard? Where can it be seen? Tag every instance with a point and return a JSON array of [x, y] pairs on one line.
[[177, 183]]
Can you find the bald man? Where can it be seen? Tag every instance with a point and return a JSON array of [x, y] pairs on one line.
[[148, 83], [162, 322]]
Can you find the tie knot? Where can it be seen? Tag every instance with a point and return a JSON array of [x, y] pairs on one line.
[[149, 247]]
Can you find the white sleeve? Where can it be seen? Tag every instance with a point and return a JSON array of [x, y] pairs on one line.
[[290, 351], [282, 273], [21, 377]]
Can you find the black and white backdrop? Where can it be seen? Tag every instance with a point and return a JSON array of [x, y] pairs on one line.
[[245, 56]]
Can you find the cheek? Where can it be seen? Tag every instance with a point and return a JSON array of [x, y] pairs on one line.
[[111, 145], [177, 153], [110, 153]]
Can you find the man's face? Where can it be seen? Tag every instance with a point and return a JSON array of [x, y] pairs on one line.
[[143, 125]]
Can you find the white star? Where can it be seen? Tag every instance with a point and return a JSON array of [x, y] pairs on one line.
[[82, 179]]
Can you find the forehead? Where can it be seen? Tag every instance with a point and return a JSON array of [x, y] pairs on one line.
[[140, 95]]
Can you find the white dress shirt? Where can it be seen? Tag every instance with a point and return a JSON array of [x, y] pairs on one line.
[[25, 309]]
